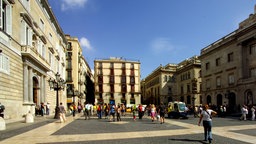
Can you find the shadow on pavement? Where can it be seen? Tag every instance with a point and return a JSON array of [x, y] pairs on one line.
[[189, 140]]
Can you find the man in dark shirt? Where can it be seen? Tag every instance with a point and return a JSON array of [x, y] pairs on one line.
[[162, 111]]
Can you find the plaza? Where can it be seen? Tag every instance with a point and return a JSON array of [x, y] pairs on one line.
[[77, 130]]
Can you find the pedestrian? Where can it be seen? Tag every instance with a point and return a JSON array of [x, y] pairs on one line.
[[161, 112], [122, 109], [153, 112], [244, 112], [140, 111], [134, 109], [42, 109], [86, 111], [112, 112], [99, 111], [73, 109], [206, 116], [106, 110], [118, 113], [48, 108], [2, 108], [79, 107], [62, 113], [253, 113]]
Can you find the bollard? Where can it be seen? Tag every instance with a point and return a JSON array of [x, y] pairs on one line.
[[2, 124], [29, 118]]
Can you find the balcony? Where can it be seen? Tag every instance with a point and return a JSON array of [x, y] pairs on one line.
[[30, 54]]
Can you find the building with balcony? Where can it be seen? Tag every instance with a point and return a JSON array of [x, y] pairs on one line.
[[188, 82], [159, 85], [117, 81], [32, 48], [229, 68], [76, 68]]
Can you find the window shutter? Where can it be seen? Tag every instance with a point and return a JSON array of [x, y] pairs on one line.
[[23, 33], [1, 17], [9, 19], [30, 33], [1, 60]]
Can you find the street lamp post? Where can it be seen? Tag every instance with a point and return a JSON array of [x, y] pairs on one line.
[[57, 84]]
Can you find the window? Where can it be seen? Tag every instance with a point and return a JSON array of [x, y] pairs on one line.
[[132, 79], [207, 66], [253, 72], [218, 83], [111, 65], [4, 64], [41, 25], [132, 66], [218, 62], [26, 4], [230, 57], [208, 84], [181, 90], [231, 79], [6, 17], [26, 34], [188, 75], [50, 37], [132, 88], [188, 87], [252, 49]]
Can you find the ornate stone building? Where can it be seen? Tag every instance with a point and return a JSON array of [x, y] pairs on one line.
[[117, 81], [32, 48], [229, 68], [188, 81], [79, 76], [159, 85], [173, 82]]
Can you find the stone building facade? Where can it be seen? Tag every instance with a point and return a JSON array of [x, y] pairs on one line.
[[188, 81], [174, 82], [229, 68], [117, 80], [33, 51], [159, 86]]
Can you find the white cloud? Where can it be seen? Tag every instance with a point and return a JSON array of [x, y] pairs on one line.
[[71, 4], [85, 43], [161, 45]]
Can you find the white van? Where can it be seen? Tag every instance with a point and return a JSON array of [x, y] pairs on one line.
[[177, 109]]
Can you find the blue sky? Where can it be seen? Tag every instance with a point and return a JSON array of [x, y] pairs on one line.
[[152, 31]]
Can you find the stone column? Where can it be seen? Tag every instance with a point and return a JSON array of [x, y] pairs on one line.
[[42, 88], [30, 85], [25, 83]]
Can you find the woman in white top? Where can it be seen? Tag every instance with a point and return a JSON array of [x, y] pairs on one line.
[[206, 116], [153, 112]]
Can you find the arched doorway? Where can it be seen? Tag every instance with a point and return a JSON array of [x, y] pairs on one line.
[[35, 90], [232, 102], [209, 100], [219, 100]]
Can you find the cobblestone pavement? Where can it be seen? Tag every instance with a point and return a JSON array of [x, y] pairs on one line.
[[80, 131]]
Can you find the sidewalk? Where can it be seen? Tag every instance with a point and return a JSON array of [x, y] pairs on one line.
[[19, 126]]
